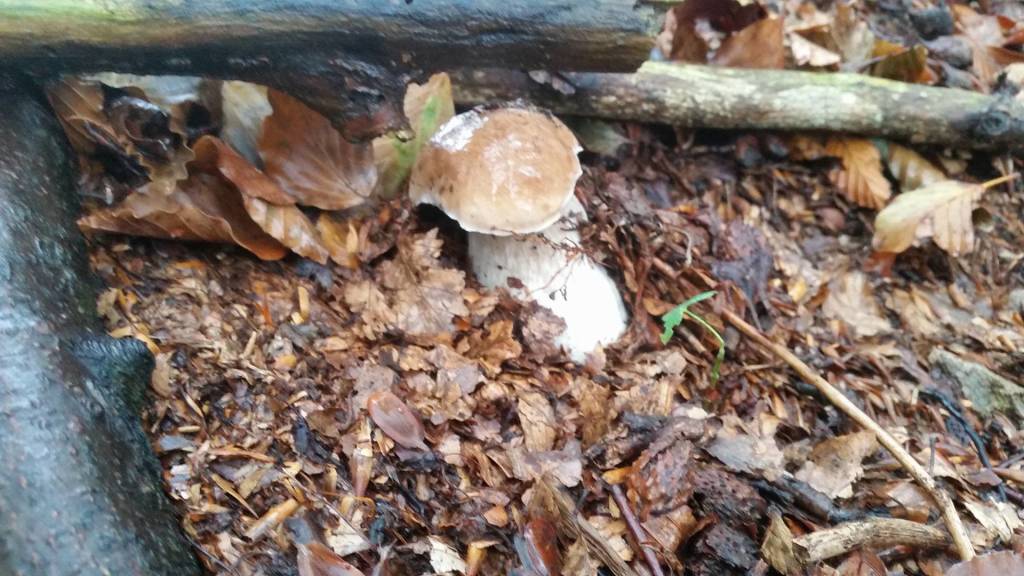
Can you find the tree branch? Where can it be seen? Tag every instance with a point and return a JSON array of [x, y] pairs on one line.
[[732, 98]]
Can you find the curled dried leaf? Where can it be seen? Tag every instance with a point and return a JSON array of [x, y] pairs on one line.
[[244, 107], [941, 211], [910, 168], [311, 161], [861, 179], [396, 419], [538, 548], [205, 207], [289, 225], [214, 155], [315, 559], [759, 45]]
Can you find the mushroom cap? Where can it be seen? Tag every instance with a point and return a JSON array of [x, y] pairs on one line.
[[499, 171]]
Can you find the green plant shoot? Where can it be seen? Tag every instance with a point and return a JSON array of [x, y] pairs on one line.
[[674, 317]]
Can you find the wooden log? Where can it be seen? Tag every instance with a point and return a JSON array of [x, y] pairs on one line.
[[731, 98], [339, 57], [80, 490]]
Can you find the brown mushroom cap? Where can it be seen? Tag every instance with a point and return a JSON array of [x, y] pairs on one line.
[[501, 171]]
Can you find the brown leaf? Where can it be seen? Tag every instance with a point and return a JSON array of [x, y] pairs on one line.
[[852, 301], [759, 45], [981, 32], [397, 420], [288, 225], [835, 464], [340, 239], [994, 564], [861, 179], [662, 479], [205, 207], [125, 133], [910, 168], [862, 563], [904, 65], [213, 155], [539, 552], [537, 418], [310, 159], [315, 559], [941, 211]]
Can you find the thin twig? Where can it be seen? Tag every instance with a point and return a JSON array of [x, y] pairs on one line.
[[636, 530], [949, 513]]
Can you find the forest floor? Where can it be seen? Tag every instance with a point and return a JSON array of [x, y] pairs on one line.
[[284, 389]]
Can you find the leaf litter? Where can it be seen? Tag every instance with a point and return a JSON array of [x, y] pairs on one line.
[[363, 406]]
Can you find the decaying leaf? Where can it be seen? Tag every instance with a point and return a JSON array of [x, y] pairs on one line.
[[444, 559], [995, 564], [396, 419], [310, 160], [315, 559], [835, 464], [941, 211], [215, 156], [427, 107], [852, 301], [759, 45], [205, 207], [861, 179], [999, 518], [910, 168], [244, 107], [982, 32], [807, 53], [288, 225], [902, 64]]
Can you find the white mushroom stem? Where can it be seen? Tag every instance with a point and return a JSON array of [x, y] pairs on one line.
[[555, 273]]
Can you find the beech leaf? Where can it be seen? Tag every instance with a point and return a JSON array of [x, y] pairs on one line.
[[910, 168], [941, 211], [311, 161], [288, 225], [205, 207], [396, 420], [759, 45], [861, 179], [315, 559]]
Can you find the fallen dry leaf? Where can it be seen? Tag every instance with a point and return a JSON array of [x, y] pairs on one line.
[[213, 155], [244, 107], [759, 45], [397, 420], [861, 179], [835, 464], [310, 160], [902, 64], [315, 559], [852, 301], [205, 207], [807, 53], [941, 211], [289, 226], [995, 564], [982, 32], [910, 168]]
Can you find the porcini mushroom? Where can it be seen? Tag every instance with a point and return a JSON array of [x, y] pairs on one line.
[[508, 177]]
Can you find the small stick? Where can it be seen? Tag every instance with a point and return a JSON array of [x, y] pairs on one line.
[[949, 514], [878, 532], [636, 530]]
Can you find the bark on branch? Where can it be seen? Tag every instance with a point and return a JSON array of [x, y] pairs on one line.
[[340, 57], [730, 98]]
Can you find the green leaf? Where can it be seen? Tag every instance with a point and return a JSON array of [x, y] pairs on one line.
[[674, 317], [427, 107]]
